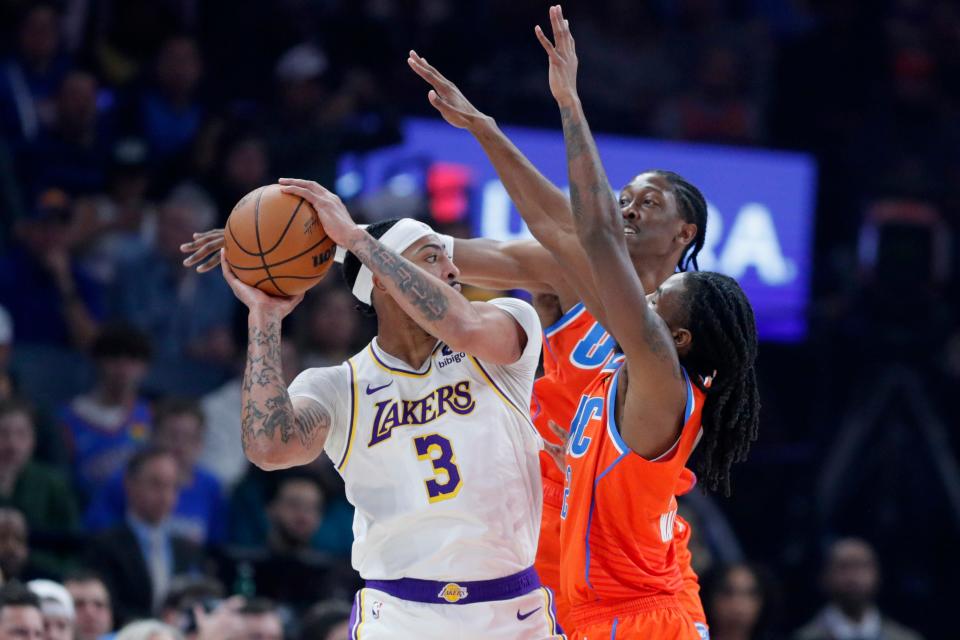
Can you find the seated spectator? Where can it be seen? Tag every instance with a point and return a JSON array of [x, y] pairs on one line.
[[51, 299], [139, 557], [40, 492], [20, 615], [291, 571], [185, 595], [91, 602], [261, 620], [187, 315], [851, 580], [737, 600], [329, 620], [178, 426], [105, 426], [74, 152], [31, 77], [6, 342], [56, 605], [249, 521], [16, 562]]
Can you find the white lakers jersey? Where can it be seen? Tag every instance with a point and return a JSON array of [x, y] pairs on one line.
[[441, 462]]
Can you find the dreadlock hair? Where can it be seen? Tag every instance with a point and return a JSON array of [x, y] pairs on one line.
[[693, 209], [352, 264], [725, 349]]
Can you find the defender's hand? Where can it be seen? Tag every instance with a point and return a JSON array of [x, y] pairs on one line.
[[563, 57], [333, 214], [445, 96], [257, 301], [557, 451], [204, 250]]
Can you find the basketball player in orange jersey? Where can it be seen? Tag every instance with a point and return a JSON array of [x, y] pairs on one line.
[[686, 375]]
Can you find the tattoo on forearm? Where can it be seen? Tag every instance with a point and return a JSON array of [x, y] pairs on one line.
[[423, 292], [587, 177]]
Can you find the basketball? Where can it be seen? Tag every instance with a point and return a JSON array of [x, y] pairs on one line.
[[274, 241]]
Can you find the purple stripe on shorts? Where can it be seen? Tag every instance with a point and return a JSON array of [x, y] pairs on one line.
[[354, 616], [467, 592]]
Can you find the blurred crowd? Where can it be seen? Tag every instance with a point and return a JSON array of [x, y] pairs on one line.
[[126, 126]]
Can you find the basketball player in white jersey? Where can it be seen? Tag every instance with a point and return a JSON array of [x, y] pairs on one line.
[[429, 427]]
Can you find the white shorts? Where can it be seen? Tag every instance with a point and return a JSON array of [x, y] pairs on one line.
[[378, 615]]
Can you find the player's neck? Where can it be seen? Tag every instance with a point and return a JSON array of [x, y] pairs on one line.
[[403, 339], [654, 273]]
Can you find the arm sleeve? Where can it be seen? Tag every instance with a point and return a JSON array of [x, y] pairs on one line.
[[330, 387], [516, 379]]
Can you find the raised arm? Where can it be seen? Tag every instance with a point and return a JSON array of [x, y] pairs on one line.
[[641, 333], [478, 328], [543, 206], [276, 432]]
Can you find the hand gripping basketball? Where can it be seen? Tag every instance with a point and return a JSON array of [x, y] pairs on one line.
[[333, 214]]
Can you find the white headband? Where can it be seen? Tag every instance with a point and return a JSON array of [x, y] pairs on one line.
[[398, 238]]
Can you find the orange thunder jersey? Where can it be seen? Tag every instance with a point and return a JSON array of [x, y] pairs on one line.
[[575, 349], [619, 511]]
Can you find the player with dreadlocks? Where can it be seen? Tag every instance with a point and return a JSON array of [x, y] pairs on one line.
[[686, 374]]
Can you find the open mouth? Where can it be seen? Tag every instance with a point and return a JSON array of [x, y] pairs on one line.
[[629, 230], [457, 286]]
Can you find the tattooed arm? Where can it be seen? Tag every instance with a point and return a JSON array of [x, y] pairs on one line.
[[653, 396], [276, 433], [478, 328]]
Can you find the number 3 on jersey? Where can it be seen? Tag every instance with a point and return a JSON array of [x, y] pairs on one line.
[[439, 452]]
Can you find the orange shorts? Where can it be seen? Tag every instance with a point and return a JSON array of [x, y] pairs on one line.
[[547, 563], [653, 618]]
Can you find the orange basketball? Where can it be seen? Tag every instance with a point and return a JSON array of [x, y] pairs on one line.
[[275, 242]]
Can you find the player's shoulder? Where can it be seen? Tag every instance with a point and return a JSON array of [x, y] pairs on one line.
[[339, 376]]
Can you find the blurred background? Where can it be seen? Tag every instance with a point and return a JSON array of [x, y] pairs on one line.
[[824, 134]]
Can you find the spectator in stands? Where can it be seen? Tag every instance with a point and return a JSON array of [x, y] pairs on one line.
[[51, 299], [178, 426], [291, 571], [30, 78], [330, 328], [328, 620], [851, 579], [261, 620], [186, 593], [16, 560], [138, 558], [20, 616], [185, 314], [6, 342], [72, 154], [56, 605], [738, 602], [91, 602], [105, 426], [243, 166], [148, 630], [40, 492]]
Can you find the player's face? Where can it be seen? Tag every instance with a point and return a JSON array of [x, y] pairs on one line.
[[428, 254], [652, 224], [668, 302]]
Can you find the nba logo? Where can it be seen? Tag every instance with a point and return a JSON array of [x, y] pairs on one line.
[[375, 609]]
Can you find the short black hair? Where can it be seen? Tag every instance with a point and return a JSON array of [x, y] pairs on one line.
[[83, 574], [177, 406], [279, 479], [321, 617], [258, 606], [120, 340], [142, 457], [15, 594], [14, 404], [352, 264], [188, 591]]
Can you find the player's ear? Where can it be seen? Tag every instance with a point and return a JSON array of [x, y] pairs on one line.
[[687, 233], [683, 340]]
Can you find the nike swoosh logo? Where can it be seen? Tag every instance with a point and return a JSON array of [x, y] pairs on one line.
[[524, 616], [373, 390]]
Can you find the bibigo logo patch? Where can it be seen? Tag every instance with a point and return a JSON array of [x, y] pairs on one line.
[[453, 592]]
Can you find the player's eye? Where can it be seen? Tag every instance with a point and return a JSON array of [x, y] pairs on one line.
[[432, 258], [623, 202]]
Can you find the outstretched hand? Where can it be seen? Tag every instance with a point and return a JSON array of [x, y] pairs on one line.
[[562, 55], [204, 250], [445, 96]]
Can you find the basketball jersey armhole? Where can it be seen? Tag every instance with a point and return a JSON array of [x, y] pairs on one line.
[[613, 430], [571, 314], [352, 425]]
